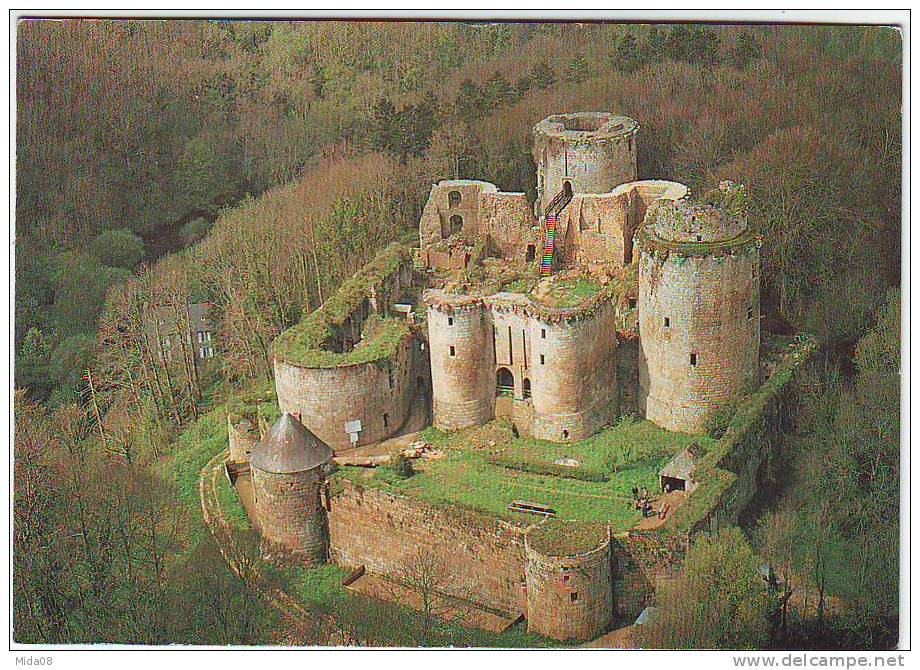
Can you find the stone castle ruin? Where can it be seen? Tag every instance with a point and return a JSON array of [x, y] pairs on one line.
[[599, 295]]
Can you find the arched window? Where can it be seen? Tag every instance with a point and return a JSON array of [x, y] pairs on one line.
[[453, 199], [456, 224], [526, 387], [567, 187], [504, 382]]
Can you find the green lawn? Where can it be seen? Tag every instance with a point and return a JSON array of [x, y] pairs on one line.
[[474, 472], [571, 293]]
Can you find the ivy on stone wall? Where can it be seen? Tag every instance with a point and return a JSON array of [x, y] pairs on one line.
[[305, 344]]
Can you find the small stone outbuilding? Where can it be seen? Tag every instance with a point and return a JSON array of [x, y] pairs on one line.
[[677, 474]]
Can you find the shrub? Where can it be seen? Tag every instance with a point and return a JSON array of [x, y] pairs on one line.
[[582, 472], [68, 364], [401, 465], [118, 249], [195, 230], [721, 415], [719, 602]]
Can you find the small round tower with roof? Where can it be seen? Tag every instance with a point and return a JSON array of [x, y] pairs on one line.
[[289, 468]]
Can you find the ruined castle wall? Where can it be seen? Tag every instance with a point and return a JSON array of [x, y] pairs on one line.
[[513, 346], [642, 564], [380, 394], [598, 229], [712, 308], [242, 438], [508, 221], [628, 374], [483, 556], [574, 375], [434, 224], [463, 379], [592, 229], [290, 513], [697, 224], [569, 597], [478, 211]]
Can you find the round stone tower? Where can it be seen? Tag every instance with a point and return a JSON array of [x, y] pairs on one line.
[[699, 308], [573, 371], [591, 151], [462, 361], [289, 468], [569, 590]]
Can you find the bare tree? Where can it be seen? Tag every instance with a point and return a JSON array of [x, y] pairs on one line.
[[439, 597]]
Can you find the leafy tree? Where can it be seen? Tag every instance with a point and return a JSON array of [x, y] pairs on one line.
[[118, 249], [745, 49], [471, 102], [204, 175], [416, 124], [68, 365], [81, 286], [577, 70], [498, 91], [32, 362], [719, 602], [626, 54], [656, 44], [523, 85], [384, 129], [318, 81], [542, 75]]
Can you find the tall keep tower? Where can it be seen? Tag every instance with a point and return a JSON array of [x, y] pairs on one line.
[[699, 308], [592, 152]]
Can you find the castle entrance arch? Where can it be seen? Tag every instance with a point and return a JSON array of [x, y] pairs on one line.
[[504, 382]]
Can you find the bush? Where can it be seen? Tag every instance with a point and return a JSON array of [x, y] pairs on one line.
[[68, 364], [721, 415], [81, 286], [582, 472], [401, 465], [719, 602], [118, 249], [195, 230]]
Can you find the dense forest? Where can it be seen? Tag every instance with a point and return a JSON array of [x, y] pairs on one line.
[[255, 165]]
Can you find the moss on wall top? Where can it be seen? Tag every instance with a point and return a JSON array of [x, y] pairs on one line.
[[560, 538], [253, 404], [306, 344]]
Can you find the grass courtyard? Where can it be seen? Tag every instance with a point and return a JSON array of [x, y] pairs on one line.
[[487, 468]]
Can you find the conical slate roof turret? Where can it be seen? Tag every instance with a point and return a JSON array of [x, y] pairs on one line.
[[289, 447]]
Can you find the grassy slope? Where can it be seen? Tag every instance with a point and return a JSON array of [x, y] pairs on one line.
[[190, 452]]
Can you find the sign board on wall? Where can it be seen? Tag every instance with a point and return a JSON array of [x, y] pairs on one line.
[[353, 428]]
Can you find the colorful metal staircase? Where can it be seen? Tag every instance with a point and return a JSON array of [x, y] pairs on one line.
[[546, 264], [563, 198]]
